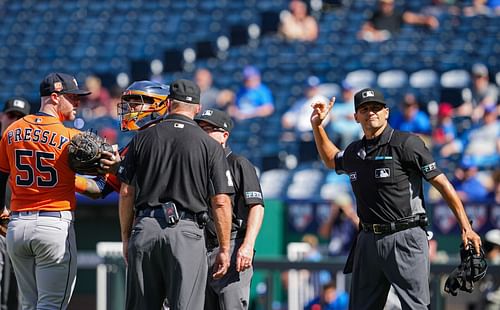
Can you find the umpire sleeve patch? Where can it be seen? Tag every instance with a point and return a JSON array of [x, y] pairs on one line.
[[430, 167], [253, 195]]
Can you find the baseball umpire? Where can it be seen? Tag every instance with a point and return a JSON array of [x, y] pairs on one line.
[[34, 159], [232, 291], [385, 169], [170, 175]]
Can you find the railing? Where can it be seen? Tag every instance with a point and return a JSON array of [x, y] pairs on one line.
[[111, 275]]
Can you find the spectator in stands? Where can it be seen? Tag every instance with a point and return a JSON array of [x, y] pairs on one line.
[[297, 117], [110, 134], [254, 99], [444, 134], [297, 25], [481, 94], [480, 7], [316, 278], [209, 93], [467, 184], [439, 8], [329, 299], [98, 103], [341, 225], [343, 126], [410, 117], [494, 195], [482, 144], [386, 22]]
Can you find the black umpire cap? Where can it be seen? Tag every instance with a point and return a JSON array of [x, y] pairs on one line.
[[61, 83], [185, 90], [218, 118], [368, 95], [17, 105]]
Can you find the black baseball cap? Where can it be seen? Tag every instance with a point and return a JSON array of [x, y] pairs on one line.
[[185, 90], [368, 95], [61, 83], [218, 118], [17, 104]]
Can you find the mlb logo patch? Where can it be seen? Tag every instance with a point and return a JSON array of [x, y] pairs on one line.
[[353, 176], [58, 86], [18, 104], [381, 173], [368, 93], [188, 98], [208, 113]]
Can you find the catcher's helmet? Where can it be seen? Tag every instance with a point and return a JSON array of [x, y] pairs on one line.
[[142, 103]]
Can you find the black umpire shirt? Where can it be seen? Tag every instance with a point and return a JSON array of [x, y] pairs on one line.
[[247, 192], [177, 161], [386, 176]]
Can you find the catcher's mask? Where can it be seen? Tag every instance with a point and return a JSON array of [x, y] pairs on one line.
[[142, 103], [472, 268]]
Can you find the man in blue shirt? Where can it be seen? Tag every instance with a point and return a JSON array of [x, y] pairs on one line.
[[254, 99]]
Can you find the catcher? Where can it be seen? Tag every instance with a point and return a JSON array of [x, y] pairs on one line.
[[142, 105]]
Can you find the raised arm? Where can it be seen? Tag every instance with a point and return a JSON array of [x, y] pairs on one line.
[[326, 149]]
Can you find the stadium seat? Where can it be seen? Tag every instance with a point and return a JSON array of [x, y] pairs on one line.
[[361, 78], [392, 79], [329, 90], [305, 183], [457, 78], [273, 182], [426, 78]]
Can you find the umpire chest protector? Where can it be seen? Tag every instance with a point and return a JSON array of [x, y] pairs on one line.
[[386, 175]]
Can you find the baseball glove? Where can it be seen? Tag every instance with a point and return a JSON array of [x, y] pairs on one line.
[[472, 268], [4, 223], [84, 152]]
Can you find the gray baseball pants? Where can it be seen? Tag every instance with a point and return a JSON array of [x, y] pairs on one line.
[[400, 259], [232, 292], [8, 285], [166, 262], [43, 253]]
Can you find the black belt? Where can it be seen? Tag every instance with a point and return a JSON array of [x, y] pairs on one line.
[[389, 228], [40, 213], [158, 213]]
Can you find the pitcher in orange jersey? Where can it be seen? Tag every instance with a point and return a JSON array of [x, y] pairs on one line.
[[34, 160]]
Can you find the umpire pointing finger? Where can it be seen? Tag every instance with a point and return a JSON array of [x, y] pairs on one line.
[[171, 174]]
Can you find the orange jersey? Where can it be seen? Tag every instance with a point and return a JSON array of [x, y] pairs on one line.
[[34, 151]]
